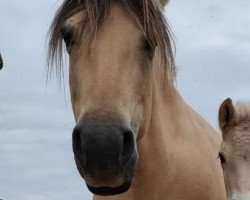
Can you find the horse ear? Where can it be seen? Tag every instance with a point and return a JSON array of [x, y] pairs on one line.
[[226, 114], [164, 2], [1, 62]]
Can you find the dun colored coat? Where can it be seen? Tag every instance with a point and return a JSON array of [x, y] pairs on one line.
[[135, 137]]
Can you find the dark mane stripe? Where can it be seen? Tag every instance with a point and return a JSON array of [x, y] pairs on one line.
[[147, 13]]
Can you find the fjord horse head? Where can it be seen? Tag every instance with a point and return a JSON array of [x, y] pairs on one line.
[[112, 47], [234, 120], [135, 136]]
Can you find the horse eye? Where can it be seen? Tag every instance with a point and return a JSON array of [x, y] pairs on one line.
[[68, 37], [222, 158], [148, 48]]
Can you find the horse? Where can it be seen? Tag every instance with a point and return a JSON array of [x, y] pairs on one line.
[[1, 62], [135, 137], [234, 122]]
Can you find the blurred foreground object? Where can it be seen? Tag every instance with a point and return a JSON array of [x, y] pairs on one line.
[[1, 62]]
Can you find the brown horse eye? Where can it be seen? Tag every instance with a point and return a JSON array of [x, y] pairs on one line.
[[222, 158], [148, 48], [68, 37]]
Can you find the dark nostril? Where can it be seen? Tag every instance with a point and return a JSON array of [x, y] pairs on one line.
[[127, 147], [77, 143]]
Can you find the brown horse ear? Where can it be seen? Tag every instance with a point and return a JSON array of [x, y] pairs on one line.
[[226, 114], [164, 2], [1, 62]]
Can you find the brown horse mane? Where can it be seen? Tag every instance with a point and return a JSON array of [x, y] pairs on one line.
[[147, 13]]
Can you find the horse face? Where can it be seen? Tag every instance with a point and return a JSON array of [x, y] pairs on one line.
[[110, 84], [235, 151], [236, 168]]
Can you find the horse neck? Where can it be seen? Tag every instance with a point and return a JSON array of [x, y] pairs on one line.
[[167, 115], [167, 108]]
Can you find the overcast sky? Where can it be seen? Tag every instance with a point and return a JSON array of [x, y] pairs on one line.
[[36, 159]]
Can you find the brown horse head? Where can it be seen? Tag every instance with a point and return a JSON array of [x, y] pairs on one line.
[[234, 120], [1, 62], [112, 47]]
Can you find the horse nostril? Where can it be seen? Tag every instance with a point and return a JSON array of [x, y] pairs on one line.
[[79, 154], [128, 147]]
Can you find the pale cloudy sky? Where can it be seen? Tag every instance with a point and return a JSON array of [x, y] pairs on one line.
[[36, 159]]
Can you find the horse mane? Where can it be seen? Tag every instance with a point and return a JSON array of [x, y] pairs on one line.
[[164, 2], [242, 110], [147, 13]]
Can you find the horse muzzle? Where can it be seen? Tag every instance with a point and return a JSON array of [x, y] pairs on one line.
[[105, 154]]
